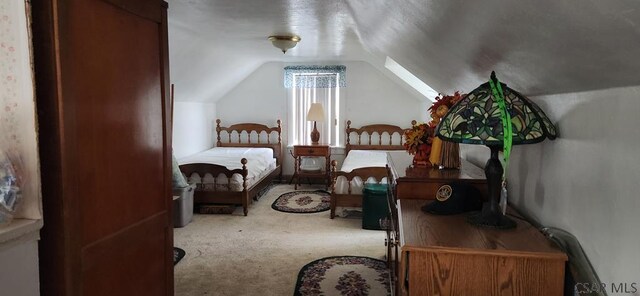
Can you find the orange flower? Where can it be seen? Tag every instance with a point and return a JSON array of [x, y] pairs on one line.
[[418, 137], [441, 106]]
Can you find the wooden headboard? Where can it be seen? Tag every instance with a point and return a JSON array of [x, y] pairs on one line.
[[372, 143], [248, 129]]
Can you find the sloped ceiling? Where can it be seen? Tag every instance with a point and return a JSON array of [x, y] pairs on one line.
[[535, 46]]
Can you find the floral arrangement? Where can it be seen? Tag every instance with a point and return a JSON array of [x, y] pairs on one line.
[[420, 137], [441, 106], [416, 136]]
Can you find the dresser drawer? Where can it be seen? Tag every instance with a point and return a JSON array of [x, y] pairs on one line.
[[311, 150]]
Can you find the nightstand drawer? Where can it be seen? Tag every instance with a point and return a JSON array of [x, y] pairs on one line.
[[311, 150]]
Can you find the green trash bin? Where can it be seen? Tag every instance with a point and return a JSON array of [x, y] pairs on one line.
[[374, 205]]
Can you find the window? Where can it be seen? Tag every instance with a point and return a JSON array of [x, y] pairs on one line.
[[314, 84]]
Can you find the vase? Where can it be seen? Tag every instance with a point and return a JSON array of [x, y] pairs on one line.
[[421, 158], [436, 151]]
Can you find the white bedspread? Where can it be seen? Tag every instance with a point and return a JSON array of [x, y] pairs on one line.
[[360, 159], [260, 162]]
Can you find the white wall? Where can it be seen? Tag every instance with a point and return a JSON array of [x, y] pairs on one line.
[[587, 180], [19, 239], [193, 127], [369, 97], [17, 106], [19, 268]]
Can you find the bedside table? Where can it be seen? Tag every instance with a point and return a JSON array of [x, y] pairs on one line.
[[319, 150]]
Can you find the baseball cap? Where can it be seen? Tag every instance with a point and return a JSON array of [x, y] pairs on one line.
[[455, 198]]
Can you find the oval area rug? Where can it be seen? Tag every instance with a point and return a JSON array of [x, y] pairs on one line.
[[344, 275], [301, 202], [178, 254]]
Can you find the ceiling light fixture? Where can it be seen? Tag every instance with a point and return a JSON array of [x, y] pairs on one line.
[[284, 43]]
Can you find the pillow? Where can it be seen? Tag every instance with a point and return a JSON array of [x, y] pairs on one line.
[[178, 178]]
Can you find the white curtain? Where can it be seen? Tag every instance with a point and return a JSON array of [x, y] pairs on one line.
[[300, 99]]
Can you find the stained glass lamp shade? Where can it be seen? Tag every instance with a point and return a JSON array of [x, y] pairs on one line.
[[477, 119]]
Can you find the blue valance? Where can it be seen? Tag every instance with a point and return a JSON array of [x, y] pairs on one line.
[[325, 78]]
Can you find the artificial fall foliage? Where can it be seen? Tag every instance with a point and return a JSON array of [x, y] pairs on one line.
[[441, 106], [420, 134], [416, 137]]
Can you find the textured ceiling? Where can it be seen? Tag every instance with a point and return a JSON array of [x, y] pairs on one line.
[[535, 46]]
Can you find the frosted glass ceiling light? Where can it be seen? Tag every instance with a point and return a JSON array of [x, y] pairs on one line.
[[284, 43]]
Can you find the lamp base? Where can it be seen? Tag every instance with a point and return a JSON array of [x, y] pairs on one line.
[[491, 216], [487, 218], [315, 135]]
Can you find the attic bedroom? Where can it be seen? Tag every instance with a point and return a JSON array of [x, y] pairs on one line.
[[554, 53], [340, 147]]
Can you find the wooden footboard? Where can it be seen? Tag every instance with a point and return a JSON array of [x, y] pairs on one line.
[[349, 199], [207, 193], [211, 193]]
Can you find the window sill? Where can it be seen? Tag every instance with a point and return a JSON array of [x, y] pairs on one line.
[[18, 231], [332, 147]]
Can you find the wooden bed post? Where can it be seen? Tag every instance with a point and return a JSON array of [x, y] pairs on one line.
[[279, 159], [347, 130], [245, 193], [334, 165], [218, 129]]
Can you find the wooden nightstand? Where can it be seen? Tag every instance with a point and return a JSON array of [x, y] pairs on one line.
[[319, 150]]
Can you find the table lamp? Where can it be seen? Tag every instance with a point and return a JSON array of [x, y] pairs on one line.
[[481, 117], [316, 113]]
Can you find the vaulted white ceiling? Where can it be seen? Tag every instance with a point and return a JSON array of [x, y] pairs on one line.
[[535, 46]]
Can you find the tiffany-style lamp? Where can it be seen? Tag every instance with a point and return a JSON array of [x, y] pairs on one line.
[[481, 117]]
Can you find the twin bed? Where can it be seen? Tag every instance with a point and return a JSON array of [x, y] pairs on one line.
[[238, 168], [365, 162], [248, 157]]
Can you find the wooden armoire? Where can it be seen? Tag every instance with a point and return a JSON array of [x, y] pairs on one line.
[[102, 95]]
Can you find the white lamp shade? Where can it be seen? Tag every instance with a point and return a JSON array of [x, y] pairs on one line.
[[316, 112]]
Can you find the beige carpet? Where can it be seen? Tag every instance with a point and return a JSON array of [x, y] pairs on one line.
[[262, 253]]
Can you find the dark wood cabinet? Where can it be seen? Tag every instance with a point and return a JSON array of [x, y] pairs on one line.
[[412, 182], [102, 77]]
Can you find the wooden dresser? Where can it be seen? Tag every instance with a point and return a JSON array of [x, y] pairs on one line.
[[444, 255], [423, 182]]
